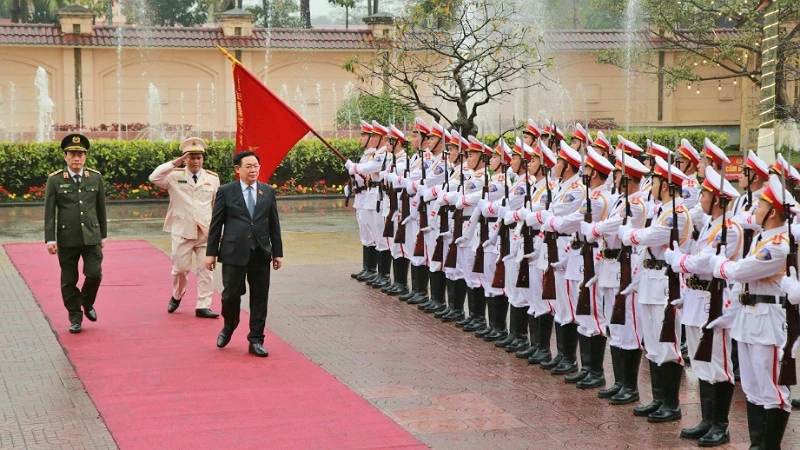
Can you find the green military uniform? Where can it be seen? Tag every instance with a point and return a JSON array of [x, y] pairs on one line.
[[75, 219]]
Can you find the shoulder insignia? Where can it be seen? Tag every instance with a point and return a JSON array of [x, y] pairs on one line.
[[212, 173], [634, 201], [728, 223], [56, 172], [690, 183], [680, 209], [596, 195], [92, 170], [501, 177], [777, 238], [576, 185]]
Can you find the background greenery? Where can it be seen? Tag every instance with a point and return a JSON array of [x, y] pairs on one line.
[[26, 165]]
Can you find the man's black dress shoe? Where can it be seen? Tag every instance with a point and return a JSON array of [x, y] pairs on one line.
[[258, 350], [206, 313], [223, 339], [75, 328], [173, 305], [90, 313]]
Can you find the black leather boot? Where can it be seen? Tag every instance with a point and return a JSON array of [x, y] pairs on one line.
[[414, 285], [450, 287], [657, 389], [533, 337], [569, 364], [706, 410], [545, 333], [671, 408], [372, 264], [630, 378], [500, 330], [584, 347], [521, 342], [438, 286], [756, 415], [556, 360], [616, 365], [384, 269], [513, 321], [491, 306], [393, 278], [775, 421], [479, 313], [400, 286], [597, 352], [471, 305], [719, 434], [457, 303], [364, 262], [423, 279]]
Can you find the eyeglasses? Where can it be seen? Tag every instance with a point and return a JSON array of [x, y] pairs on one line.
[[251, 166]]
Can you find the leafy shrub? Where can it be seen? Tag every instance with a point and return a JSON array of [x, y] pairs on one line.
[[381, 108]]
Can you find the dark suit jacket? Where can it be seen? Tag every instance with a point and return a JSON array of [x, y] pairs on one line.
[[231, 232], [75, 214]]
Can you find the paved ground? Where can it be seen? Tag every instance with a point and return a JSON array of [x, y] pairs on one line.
[[446, 387]]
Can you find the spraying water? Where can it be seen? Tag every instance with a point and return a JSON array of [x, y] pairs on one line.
[[44, 128], [335, 107], [632, 21], [154, 114], [213, 111], [197, 109], [118, 34]]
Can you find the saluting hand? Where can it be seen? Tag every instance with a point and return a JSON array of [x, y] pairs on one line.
[[177, 162]]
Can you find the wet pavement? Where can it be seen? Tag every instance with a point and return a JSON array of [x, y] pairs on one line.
[[446, 387]]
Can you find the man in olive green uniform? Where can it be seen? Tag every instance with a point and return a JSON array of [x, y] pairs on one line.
[[75, 227]]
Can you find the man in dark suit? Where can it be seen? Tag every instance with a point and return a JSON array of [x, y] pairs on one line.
[[245, 234], [75, 228]]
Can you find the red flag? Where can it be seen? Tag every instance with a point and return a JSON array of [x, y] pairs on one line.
[[264, 123]]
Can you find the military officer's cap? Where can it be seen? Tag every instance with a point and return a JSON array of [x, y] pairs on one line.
[[532, 129], [628, 147], [597, 161], [672, 174], [366, 128], [421, 127], [458, 140], [193, 145], [712, 182], [474, 144], [546, 155], [781, 167], [776, 195], [715, 153], [757, 165], [75, 143], [503, 151], [396, 134], [602, 142], [569, 154], [633, 168], [582, 134], [437, 130], [687, 150], [379, 129], [654, 149]]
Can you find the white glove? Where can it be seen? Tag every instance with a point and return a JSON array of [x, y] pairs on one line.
[[673, 257], [391, 177], [452, 198], [508, 218], [558, 265], [623, 232], [510, 256], [723, 321], [591, 282], [488, 244], [502, 211], [349, 165], [406, 220], [347, 190], [534, 255], [462, 241], [546, 216], [446, 235], [407, 185], [629, 290], [586, 228], [678, 303], [531, 220], [716, 262], [483, 204], [790, 285]]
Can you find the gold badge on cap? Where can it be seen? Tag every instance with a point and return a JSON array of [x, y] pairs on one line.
[[76, 139]]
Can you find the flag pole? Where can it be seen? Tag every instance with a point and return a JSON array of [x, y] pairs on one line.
[[314, 132]]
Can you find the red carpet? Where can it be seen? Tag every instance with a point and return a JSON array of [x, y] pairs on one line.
[[159, 381]]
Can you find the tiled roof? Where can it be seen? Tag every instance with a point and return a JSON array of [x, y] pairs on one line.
[[357, 38], [185, 37]]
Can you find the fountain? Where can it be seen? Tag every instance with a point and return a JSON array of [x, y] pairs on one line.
[[318, 97], [283, 93], [347, 93], [632, 20], [12, 110], [155, 117], [300, 100], [80, 109], [44, 128], [335, 109], [197, 109], [181, 131], [118, 35], [213, 112]]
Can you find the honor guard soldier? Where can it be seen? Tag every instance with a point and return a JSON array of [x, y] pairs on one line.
[[569, 198], [663, 346], [716, 375], [754, 174], [358, 189], [191, 199], [625, 333], [75, 227], [396, 166], [757, 319]]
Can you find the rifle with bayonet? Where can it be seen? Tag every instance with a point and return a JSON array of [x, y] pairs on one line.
[[550, 239], [788, 374], [499, 280], [388, 226], [673, 279], [405, 204], [422, 209], [477, 266], [625, 252], [524, 275], [584, 308], [747, 235], [444, 221], [458, 219], [716, 288]]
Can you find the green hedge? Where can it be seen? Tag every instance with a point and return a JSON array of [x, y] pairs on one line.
[[27, 164]]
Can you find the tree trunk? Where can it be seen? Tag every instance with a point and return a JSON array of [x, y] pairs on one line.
[[305, 13], [265, 5], [375, 7], [369, 8]]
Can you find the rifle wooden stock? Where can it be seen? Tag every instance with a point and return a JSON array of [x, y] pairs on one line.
[[477, 266], [788, 374], [524, 275], [620, 301], [584, 306], [674, 285], [438, 251], [388, 226], [499, 280], [458, 230], [405, 204], [419, 244], [706, 345], [747, 241], [549, 283]]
